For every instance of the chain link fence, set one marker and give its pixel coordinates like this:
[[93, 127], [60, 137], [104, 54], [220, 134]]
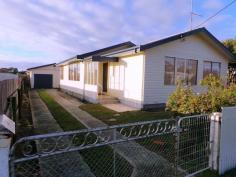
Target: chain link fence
[[154, 148]]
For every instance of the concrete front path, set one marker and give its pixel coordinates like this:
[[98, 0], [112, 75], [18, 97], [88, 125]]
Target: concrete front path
[[55, 165], [43, 120], [72, 106], [144, 162]]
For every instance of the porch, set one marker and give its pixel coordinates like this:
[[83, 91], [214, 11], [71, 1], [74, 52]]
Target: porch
[[112, 80]]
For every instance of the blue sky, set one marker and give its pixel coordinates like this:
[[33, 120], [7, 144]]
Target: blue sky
[[34, 32]]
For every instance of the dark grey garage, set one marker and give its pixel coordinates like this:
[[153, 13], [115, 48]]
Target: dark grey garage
[[43, 81]]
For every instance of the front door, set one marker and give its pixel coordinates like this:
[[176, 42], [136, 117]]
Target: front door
[[105, 72]]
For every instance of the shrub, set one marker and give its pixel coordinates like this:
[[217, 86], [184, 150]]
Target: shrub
[[231, 76], [182, 100], [229, 95], [215, 93], [185, 101]]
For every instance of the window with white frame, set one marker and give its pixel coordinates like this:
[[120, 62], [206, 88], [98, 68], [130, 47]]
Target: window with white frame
[[62, 72], [180, 69], [74, 71], [91, 72], [116, 76]]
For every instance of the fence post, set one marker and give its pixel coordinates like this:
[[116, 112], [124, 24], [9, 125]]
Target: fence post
[[215, 130], [114, 154], [7, 129], [177, 139], [19, 102], [13, 107], [4, 155]]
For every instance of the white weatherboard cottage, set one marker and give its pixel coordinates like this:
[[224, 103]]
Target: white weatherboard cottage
[[144, 76]]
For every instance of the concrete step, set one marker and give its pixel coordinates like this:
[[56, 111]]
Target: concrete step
[[105, 99]]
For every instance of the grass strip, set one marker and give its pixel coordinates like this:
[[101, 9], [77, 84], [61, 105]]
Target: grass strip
[[66, 121], [111, 117]]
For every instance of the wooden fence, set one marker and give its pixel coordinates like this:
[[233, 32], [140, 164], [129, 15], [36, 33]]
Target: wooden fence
[[7, 89]]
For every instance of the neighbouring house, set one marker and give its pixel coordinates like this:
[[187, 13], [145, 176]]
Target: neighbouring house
[[45, 76], [7, 76], [9, 70], [143, 76]]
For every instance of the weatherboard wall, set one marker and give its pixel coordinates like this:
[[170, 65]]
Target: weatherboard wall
[[192, 47], [125, 80]]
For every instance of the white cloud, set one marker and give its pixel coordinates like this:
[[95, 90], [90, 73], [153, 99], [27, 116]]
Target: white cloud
[[54, 30]]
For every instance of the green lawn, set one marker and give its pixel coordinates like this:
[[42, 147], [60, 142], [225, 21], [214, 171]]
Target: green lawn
[[111, 117], [66, 121]]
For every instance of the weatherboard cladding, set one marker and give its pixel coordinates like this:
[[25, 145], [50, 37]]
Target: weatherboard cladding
[[154, 89]]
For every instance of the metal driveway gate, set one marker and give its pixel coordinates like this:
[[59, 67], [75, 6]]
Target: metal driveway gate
[[166, 148]]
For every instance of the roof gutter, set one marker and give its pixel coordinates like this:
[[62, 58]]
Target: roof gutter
[[128, 51], [68, 61]]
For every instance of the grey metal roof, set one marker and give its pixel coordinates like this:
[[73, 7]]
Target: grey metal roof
[[185, 34], [99, 51], [41, 66]]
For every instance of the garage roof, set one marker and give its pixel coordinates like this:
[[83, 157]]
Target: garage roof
[[42, 66]]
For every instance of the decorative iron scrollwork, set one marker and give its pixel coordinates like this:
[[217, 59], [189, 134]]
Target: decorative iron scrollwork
[[59, 142]]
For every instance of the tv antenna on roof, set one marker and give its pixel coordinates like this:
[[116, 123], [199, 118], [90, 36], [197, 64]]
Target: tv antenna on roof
[[192, 13]]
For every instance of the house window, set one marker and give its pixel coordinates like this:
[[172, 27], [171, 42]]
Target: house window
[[211, 68], [91, 73], [180, 69], [62, 72], [71, 72], [74, 71], [169, 71], [191, 70]]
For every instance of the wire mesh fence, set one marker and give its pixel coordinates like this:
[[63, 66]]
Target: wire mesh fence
[[131, 150], [193, 144]]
